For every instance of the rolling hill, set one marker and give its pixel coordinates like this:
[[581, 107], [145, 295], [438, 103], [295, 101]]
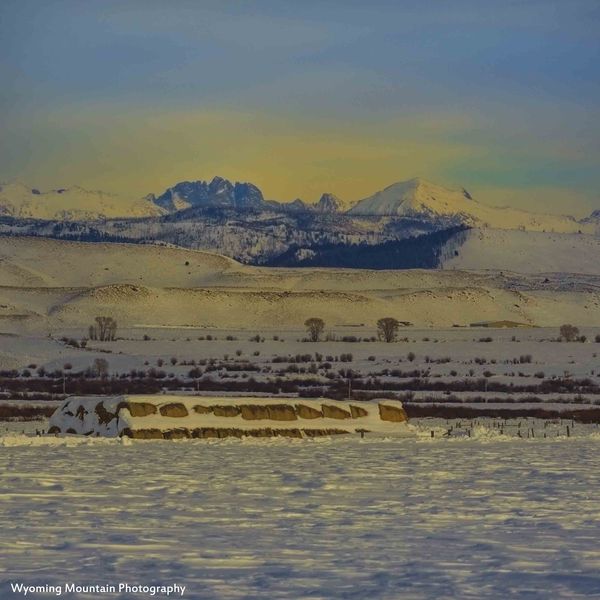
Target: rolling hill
[[50, 285]]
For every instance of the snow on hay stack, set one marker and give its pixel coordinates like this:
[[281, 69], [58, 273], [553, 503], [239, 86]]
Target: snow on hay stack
[[170, 417]]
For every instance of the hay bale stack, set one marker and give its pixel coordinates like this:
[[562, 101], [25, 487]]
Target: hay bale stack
[[226, 410], [143, 434], [175, 409], [358, 411], [322, 432], [137, 409], [281, 412], [307, 412], [204, 432], [177, 434], [335, 412], [394, 414], [254, 412], [181, 417]]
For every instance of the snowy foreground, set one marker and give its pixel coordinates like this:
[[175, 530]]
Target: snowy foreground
[[485, 516]]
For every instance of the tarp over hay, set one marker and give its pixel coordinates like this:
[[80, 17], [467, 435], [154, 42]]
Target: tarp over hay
[[170, 417]]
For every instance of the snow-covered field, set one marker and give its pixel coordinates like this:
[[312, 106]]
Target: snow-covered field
[[485, 516]]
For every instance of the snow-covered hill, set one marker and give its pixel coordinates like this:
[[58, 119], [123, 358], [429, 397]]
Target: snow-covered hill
[[523, 252], [418, 198], [50, 284], [70, 204]]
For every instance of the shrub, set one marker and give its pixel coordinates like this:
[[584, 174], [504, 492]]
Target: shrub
[[100, 367], [105, 329], [314, 327], [569, 332], [387, 329]]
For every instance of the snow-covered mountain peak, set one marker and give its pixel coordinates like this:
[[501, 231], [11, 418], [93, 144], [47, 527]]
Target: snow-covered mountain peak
[[330, 203], [70, 204], [415, 196], [423, 200], [218, 193]]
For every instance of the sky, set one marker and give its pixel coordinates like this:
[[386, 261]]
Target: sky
[[308, 97]]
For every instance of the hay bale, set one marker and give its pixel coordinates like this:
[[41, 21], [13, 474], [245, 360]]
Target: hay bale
[[104, 416], [54, 429], [308, 412], [143, 434], [229, 432], [392, 413], [266, 432], [226, 411], [291, 433], [204, 432], [335, 412], [322, 432], [282, 412], [175, 409], [253, 412], [138, 409], [358, 411], [177, 434], [203, 410]]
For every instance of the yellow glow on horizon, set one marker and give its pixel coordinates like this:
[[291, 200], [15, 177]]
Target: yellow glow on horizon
[[135, 151], [141, 152]]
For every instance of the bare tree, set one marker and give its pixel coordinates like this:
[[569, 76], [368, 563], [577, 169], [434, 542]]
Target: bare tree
[[314, 327], [387, 328], [569, 332], [104, 330], [100, 367]]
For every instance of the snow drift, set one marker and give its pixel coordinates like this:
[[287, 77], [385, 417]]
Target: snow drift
[[171, 417]]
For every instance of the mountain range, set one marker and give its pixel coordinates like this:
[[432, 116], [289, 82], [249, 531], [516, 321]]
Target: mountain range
[[415, 198], [234, 218]]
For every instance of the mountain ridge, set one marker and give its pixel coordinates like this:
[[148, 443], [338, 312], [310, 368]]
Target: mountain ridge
[[234, 218], [413, 198]]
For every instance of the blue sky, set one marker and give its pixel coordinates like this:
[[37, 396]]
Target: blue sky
[[306, 97]]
